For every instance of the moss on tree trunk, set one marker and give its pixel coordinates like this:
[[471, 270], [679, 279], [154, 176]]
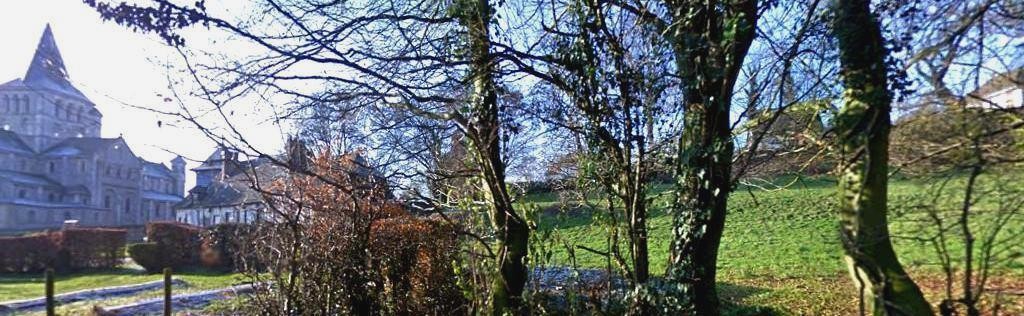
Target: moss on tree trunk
[[862, 126]]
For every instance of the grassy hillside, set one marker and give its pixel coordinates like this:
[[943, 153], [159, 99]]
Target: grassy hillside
[[780, 247]]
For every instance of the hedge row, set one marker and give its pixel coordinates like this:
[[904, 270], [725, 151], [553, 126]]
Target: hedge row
[[31, 253], [68, 249], [177, 245], [415, 258], [170, 245], [94, 248], [226, 247]]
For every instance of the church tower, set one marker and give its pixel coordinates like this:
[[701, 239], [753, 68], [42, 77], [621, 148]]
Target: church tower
[[178, 171], [44, 107]]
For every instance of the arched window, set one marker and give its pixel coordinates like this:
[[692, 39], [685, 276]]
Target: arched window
[[127, 205], [107, 202], [57, 109]]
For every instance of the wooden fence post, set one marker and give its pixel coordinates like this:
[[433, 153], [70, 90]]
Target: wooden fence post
[[50, 304], [167, 291]]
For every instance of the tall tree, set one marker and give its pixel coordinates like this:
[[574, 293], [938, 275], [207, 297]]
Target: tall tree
[[862, 127], [710, 40], [483, 131]]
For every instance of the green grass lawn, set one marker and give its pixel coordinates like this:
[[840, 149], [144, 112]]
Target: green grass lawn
[[780, 248], [25, 286]]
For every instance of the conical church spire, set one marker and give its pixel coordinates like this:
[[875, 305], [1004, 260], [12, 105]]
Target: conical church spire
[[47, 69]]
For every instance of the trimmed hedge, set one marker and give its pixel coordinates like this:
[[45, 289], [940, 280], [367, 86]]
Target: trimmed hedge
[[224, 247], [93, 248], [148, 256], [177, 246], [32, 253], [68, 249], [414, 257]]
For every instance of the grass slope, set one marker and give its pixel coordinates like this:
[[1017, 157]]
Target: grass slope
[[780, 248]]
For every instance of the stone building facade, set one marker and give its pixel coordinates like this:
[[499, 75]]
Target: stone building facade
[[55, 167]]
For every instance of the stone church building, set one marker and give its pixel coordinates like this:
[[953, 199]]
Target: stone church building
[[55, 167]]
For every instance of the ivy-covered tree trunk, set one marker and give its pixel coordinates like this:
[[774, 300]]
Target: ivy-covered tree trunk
[[483, 131], [862, 126], [710, 40]]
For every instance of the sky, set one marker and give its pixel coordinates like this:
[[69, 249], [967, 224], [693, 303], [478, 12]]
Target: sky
[[122, 73]]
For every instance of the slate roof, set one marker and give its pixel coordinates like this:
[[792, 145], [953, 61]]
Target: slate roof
[[12, 143], [27, 178], [47, 69], [213, 161], [80, 146], [236, 190], [159, 196], [155, 169]]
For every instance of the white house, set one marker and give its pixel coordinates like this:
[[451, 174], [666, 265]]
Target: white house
[[1003, 91]]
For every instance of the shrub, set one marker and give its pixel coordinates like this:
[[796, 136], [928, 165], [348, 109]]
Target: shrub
[[93, 248], [178, 243], [32, 253], [414, 259], [148, 256], [225, 246]]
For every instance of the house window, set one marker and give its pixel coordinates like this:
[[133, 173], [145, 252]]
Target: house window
[[22, 193], [52, 197], [127, 205], [53, 167], [67, 215], [106, 201]]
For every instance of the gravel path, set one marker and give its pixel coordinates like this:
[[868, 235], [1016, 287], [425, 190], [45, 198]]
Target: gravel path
[[178, 302]]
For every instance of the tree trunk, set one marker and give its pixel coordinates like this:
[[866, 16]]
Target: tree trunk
[[862, 126], [483, 131], [710, 41], [703, 185]]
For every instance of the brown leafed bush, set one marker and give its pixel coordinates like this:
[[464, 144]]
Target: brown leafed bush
[[33, 253], [93, 248], [414, 260], [178, 243], [340, 244]]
